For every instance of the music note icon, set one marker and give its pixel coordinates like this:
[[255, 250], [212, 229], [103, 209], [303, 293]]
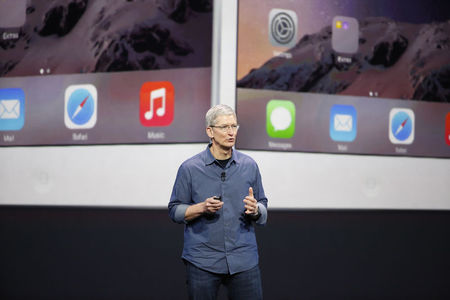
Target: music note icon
[[156, 103], [156, 94]]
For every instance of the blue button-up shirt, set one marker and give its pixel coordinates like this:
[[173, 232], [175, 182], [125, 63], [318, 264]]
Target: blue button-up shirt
[[223, 242]]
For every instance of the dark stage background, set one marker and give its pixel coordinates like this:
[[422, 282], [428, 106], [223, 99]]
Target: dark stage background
[[105, 253]]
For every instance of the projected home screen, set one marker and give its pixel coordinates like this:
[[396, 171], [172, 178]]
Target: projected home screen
[[104, 72], [355, 77]]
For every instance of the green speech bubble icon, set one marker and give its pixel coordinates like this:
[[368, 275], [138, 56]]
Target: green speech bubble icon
[[280, 119]]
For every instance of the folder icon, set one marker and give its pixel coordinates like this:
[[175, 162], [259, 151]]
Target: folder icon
[[10, 109], [343, 122], [12, 13]]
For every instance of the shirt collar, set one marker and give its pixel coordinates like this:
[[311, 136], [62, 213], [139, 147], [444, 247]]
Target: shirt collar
[[209, 158]]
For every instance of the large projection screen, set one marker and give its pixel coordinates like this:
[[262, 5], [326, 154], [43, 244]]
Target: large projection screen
[[314, 179], [145, 69]]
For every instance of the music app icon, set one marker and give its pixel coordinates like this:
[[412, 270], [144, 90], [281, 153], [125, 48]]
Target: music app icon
[[156, 103]]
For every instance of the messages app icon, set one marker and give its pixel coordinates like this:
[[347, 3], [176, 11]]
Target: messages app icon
[[280, 119], [343, 121]]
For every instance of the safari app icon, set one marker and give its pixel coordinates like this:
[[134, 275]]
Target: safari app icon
[[280, 119], [80, 106], [401, 126]]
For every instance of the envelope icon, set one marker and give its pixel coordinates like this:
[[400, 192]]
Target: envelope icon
[[343, 122], [10, 109]]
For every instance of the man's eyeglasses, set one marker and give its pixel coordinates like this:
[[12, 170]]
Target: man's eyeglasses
[[225, 128]]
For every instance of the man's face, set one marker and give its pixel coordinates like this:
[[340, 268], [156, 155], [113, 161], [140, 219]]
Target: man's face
[[222, 133]]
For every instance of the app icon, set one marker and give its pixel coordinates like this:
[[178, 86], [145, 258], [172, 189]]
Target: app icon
[[80, 106], [282, 27], [345, 35], [157, 103], [280, 119], [12, 13], [447, 129], [401, 126], [343, 123], [12, 109]]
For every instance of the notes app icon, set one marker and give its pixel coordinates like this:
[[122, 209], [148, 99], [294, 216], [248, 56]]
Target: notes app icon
[[156, 103]]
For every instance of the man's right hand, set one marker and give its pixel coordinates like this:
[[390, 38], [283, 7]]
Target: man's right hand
[[209, 206], [212, 205]]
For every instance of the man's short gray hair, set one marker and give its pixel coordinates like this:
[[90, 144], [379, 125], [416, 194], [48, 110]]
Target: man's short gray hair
[[218, 110]]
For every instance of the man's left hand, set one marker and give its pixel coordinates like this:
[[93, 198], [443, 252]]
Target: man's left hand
[[251, 205]]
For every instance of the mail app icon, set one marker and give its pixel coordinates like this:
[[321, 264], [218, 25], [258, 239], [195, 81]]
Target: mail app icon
[[12, 109], [343, 121]]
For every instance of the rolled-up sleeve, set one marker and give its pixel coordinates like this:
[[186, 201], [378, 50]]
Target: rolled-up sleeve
[[181, 195], [262, 200], [262, 220]]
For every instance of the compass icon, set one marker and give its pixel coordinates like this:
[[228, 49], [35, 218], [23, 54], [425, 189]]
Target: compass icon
[[401, 126], [80, 110]]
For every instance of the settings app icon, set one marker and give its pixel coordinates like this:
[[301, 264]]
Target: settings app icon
[[282, 27]]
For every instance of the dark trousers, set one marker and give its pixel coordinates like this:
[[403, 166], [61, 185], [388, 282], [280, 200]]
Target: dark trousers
[[204, 285]]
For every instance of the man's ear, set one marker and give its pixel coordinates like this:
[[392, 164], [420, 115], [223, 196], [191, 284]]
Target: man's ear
[[209, 132]]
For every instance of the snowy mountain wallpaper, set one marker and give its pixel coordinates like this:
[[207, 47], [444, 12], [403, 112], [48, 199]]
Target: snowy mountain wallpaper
[[82, 36], [403, 53]]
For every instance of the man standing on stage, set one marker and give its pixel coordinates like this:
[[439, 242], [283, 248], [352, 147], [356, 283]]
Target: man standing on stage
[[218, 195]]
